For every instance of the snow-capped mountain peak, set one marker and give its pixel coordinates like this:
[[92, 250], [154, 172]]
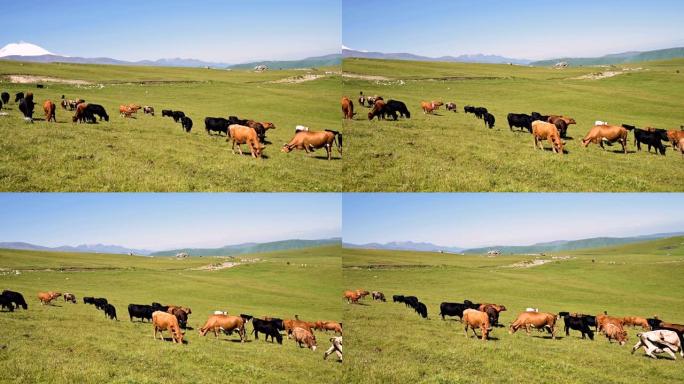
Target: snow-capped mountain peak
[[23, 49]]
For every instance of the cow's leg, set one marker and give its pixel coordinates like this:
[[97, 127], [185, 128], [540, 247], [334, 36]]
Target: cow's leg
[[669, 352], [465, 331], [328, 150]]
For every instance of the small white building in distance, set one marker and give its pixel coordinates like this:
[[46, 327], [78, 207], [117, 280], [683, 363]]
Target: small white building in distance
[[493, 252], [181, 255], [561, 65], [260, 68]]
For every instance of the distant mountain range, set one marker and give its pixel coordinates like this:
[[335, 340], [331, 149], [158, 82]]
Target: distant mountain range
[[552, 246], [32, 53], [246, 248], [479, 58], [617, 58], [223, 251]]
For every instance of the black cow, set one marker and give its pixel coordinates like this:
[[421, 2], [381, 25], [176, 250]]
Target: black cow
[[579, 323], [537, 116], [110, 311], [96, 109], [652, 139], [421, 309], [411, 301], [480, 112], [88, 300], [216, 124], [18, 97], [5, 302], [452, 309], [562, 127], [16, 298], [392, 107], [159, 307], [246, 317], [182, 317], [100, 303], [5, 97], [520, 120], [268, 328], [186, 123], [489, 120], [140, 311], [469, 109], [398, 298], [471, 305], [26, 106], [177, 115], [237, 120], [167, 112]]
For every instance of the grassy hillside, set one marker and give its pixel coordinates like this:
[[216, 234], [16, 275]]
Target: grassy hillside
[[394, 344], [76, 344], [251, 248], [630, 57], [153, 153], [455, 152]]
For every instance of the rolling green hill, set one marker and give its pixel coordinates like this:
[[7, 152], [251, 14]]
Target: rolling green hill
[[247, 248], [620, 58], [311, 62]]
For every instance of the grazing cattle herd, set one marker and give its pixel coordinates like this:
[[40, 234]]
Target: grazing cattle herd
[[174, 320], [239, 131], [658, 336], [553, 128]]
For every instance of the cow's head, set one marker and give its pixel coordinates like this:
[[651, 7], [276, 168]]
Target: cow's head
[[285, 148]]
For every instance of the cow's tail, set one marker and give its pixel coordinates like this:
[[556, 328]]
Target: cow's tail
[[337, 139]]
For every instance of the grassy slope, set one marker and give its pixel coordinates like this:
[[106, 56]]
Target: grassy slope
[[455, 152], [65, 336], [394, 345], [152, 153]]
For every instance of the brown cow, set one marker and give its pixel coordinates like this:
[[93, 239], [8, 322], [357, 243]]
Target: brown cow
[[546, 131], [312, 140], [603, 319], [328, 326], [290, 324], [568, 120], [430, 106], [352, 297], [47, 297], [162, 321], [225, 323], [497, 307], [610, 133], [347, 108], [80, 113], [241, 134], [49, 108], [636, 321], [267, 125], [184, 309], [680, 145], [304, 336], [476, 319], [378, 110], [539, 320], [615, 332]]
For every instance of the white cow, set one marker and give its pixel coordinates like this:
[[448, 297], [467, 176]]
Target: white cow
[[599, 122], [220, 313], [301, 128], [658, 342], [532, 310]]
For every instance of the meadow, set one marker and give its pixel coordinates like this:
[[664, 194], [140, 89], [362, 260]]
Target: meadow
[[451, 151], [75, 343], [153, 153], [393, 344]]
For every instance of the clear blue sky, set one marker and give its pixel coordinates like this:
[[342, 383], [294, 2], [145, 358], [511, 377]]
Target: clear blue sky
[[230, 31], [532, 29], [482, 219], [159, 221]]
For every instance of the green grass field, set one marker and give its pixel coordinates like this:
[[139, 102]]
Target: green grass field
[[455, 152], [393, 344], [153, 153], [68, 343]]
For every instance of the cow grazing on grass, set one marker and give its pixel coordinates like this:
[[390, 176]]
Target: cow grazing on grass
[[674, 137], [378, 296], [609, 133], [88, 300], [186, 123], [451, 107], [163, 321], [96, 109], [5, 97], [561, 122], [636, 321], [421, 309], [167, 113], [18, 97], [578, 323], [469, 109], [110, 311], [148, 110], [268, 328], [378, 110], [489, 120], [216, 124], [181, 315], [69, 297], [16, 298], [290, 324], [50, 108], [312, 140], [258, 128], [226, 324], [347, 108], [26, 106], [241, 134], [177, 115], [651, 139], [81, 116], [615, 332], [493, 311], [519, 120], [398, 298], [393, 108], [546, 131], [100, 303], [480, 112], [328, 326], [141, 311], [5, 302], [472, 319], [452, 309], [304, 337], [537, 116], [430, 107], [47, 297], [603, 319], [538, 320], [335, 347], [658, 342]]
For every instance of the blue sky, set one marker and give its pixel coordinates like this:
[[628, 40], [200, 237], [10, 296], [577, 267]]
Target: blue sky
[[532, 29], [159, 221], [216, 30], [481, 219]]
